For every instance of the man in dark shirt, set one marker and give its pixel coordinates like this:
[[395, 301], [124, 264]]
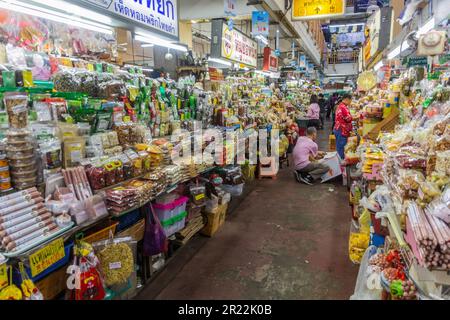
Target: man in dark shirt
[[323, 109]]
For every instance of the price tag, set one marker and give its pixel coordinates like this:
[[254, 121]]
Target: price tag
[[44, 258], [3, 275], [115, 265], [199, 196]]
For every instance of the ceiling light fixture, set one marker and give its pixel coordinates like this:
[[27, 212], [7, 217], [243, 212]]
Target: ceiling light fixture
[[378, 66], [150, 40], [53, 16], [221, 61], [75, 10]]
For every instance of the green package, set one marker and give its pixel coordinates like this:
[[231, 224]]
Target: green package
[[103, 121], [9, 79]]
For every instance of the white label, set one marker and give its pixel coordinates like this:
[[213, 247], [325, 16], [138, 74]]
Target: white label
[[19, 108], [75, 155], [115, 265]]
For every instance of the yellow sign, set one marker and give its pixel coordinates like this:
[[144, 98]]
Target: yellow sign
[[317, 9], [45, 257], [3, 275]]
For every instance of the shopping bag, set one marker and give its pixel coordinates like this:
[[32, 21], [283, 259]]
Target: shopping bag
[[155, 240]]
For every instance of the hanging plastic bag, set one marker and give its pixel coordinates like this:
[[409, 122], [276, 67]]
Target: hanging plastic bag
[[84, 279], [11, 292], [155, 240], [29, 289]]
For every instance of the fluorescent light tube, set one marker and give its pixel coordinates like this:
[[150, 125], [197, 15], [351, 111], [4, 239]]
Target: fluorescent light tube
[[221, 61], [378, 66], [149, 41], [426, 27], [75, 10], [53, 16]]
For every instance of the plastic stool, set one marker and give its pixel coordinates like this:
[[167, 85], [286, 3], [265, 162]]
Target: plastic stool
[[268, 167]]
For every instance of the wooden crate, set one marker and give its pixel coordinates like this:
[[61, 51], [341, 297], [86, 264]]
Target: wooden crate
[[54, 284], [215, 220], [332, 143], [136, 231]]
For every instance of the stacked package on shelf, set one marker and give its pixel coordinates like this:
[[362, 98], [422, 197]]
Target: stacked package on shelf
[[166, 148], [121, 199], [158, 180], [373, 161], [21, 156], [24, 220], [173, 174]]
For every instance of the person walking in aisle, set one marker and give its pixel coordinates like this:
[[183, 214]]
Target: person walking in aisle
[[331, 103], [343, 124], [313, 113], [323, 109], [305, 155]]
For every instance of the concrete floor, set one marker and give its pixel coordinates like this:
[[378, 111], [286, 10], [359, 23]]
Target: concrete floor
[[285, 240]]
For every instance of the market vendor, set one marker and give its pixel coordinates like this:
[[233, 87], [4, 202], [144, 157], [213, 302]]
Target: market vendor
[[313, 113], [343, 124], [305, 154]]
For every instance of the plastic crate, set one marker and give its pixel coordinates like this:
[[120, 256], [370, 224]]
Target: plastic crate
[[172, 209], [174, 224], [101, 234]]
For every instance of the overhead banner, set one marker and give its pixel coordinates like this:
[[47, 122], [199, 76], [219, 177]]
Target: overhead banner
[[260, 23], [302, 62], [233, 45], [229, 8], [159, 15], [369, 5], [270, 62], [317, 9]]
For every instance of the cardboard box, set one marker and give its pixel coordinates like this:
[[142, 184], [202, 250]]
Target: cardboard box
[[331, 159], [54, 284], [215, 220]]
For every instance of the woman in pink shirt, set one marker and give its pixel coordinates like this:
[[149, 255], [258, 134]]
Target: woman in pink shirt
[[314, 112]]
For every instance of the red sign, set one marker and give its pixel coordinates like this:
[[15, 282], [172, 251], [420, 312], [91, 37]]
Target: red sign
[[270, 60]]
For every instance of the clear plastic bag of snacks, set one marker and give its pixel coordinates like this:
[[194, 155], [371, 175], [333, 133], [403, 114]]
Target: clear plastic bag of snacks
[[16, 104], [65, 80]]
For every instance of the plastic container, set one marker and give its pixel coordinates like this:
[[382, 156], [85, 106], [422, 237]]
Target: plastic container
[[174, 224], [5, 184], [170, 210], [235, 191], [4, 172]]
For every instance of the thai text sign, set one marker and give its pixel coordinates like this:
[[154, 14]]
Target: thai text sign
[[238, 47], [317, 9], [161, 15], [47, 256], [270, 60]]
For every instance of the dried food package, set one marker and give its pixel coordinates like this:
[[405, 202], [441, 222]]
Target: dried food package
[[51, 154], [74, 151], [65, 80], [113, 89], [58, 107], [42, 110], [103, 121], [96, 176], [88, 82], [117, 260], [16, 105], [110, 174], [113, 138]]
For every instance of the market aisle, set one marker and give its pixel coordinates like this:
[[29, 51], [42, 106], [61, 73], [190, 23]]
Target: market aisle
[[285, 241]]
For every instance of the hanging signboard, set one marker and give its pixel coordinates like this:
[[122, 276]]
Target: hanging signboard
[[229, 8], [317, 9], [367, 5], [260, 23], [232, 45], [302, 63], [417, 61], [270, 60], [159, 15]]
